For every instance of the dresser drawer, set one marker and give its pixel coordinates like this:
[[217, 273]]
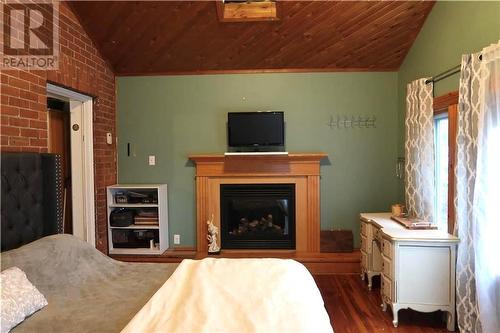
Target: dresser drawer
[[387, 248], [387, 267], [386, 289], [378, 235], [364, 228], [364, 244], [364, 261]]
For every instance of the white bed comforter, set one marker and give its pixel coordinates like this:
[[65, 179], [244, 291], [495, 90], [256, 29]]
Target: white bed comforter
[[235, 295]]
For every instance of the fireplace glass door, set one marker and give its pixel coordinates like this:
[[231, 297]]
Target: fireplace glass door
[[258, 216]]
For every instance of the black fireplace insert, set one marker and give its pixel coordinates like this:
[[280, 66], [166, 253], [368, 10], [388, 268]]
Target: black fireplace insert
[[258, 216]]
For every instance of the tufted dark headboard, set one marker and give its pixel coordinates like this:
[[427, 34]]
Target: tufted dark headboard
[[31, 197]]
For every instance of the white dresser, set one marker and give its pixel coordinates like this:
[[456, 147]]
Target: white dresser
[[417, 267], [371, 254]]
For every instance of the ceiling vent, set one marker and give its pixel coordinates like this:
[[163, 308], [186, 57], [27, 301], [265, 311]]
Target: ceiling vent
[[247, 11]]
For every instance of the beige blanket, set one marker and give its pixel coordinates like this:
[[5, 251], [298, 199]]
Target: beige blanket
[[235, 295]]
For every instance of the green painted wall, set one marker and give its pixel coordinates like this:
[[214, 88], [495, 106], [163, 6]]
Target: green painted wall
[[174, 116], [452, 28]]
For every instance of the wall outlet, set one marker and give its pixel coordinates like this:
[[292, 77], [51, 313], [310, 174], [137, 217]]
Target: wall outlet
[[152, 160], [177, 239]]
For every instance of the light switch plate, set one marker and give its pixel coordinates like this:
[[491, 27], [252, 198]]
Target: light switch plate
[[177, 239], [152, 160], [109, 138]]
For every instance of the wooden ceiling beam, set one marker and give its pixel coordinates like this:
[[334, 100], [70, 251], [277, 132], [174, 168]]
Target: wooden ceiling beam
[[262, 71]]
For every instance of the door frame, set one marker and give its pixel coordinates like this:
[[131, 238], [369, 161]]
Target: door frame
[[87, 158]]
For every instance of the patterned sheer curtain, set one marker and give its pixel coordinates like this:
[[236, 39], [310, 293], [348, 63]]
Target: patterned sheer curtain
[[486, 218], [465, 174], [419, 150], [477, 192]]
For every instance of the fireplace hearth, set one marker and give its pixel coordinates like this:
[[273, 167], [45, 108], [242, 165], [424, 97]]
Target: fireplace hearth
[[257, 216]]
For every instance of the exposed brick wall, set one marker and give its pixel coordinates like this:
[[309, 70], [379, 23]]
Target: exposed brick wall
[[24, 98]]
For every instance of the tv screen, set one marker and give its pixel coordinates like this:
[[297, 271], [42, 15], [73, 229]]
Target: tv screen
[[255, 129]]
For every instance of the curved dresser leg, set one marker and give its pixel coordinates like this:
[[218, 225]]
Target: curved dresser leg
[[450, 321], [384, 306], [362, 276], [395, 310], [370, 282]]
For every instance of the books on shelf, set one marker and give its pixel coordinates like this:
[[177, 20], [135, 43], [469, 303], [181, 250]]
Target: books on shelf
[[146, 217], [141, 220]]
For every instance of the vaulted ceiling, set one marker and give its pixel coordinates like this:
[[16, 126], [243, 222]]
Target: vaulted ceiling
[[188, 36]]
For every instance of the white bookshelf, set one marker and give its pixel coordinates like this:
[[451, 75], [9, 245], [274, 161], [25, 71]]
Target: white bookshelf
[[161, 229]]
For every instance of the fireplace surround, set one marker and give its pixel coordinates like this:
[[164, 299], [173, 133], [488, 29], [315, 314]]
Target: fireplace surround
[[300, 169]]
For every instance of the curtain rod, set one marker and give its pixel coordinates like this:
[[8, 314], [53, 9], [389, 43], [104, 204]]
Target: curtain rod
[[447, 73], [444, 75]]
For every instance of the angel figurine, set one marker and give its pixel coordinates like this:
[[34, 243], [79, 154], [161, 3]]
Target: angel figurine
[[213, 231]]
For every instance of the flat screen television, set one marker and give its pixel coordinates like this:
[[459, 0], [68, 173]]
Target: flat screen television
[[260, 130]]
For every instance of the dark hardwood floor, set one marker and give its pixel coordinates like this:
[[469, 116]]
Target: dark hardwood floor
[[354, 309]]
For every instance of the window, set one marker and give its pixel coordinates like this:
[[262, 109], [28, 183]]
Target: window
[[441, 169], [445, 124]]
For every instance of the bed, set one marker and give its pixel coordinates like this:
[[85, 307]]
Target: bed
[[31, 197], [235, 295], [87, 291]]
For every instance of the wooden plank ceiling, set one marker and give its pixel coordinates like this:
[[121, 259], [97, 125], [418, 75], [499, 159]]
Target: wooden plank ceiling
[[187, 36]]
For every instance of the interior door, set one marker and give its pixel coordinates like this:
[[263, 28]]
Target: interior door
[[77, 138], [59, 143], [79, 107]]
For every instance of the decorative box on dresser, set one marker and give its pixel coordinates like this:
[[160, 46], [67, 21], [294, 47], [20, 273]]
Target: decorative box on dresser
[[417, 266]]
